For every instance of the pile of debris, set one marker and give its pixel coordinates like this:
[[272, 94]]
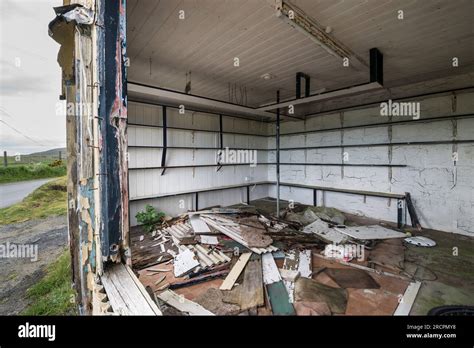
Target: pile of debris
[[226, 261]]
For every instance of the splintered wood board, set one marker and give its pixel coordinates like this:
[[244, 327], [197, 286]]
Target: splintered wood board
[[199, 226], [184, 262], [210, 240], [326, 233], [182, 304], [124, 293], [370, 232], [235, 272], [251, 291], [270, 270], [304, 263], [408, 299], [279, 300]]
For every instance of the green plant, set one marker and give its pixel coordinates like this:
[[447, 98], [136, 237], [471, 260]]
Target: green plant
[[150, 217]]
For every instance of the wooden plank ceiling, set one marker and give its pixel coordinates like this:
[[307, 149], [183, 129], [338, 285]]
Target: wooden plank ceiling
[[163, 48]]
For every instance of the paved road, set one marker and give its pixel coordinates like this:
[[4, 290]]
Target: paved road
[[14, 192]]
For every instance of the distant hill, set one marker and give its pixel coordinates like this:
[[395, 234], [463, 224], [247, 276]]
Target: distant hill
[[52, 153], [48, 156]]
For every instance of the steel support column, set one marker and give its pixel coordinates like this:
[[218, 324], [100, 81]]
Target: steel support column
[[278, 154]]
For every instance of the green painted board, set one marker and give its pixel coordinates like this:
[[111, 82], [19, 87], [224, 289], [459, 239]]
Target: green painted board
[[279, 299]]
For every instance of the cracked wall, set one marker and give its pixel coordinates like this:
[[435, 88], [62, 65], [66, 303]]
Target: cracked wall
[[441, 189]]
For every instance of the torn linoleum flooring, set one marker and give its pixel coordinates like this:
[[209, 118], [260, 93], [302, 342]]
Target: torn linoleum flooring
[[232, 261]]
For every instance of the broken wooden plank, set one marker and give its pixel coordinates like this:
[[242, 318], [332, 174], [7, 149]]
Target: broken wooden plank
[[370, 232], [406, 302], [199, 226], [126, 294], [182, 304], [324, 232], [199, 279], [144, 292], [277, 292], [298, 262], [235, 235], [304, 263], [251, 292], [270, 269], [160, 280], [211, 240], [290, 275], [212, 300], [235, 272], [278, 297], [184, 262], [362, 267]]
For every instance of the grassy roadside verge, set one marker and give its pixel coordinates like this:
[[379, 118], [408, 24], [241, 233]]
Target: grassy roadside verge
[[30, 172], [49, 199], [53, 295]]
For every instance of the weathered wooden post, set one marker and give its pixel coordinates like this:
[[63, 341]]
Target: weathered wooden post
[[92, 58], [5, 159]]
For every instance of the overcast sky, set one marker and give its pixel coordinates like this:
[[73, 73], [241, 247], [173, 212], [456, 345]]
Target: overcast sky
[[30, 78]]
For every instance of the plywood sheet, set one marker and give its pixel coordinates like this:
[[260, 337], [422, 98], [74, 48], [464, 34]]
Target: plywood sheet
[[352, 278], [182, 304], [310, 290], [199, 226], [279, 301], [330, 235], [184, 262], [251, 292], [370, 232]]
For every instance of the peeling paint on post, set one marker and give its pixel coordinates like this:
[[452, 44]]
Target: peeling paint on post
[[113, 129], [92, 57]]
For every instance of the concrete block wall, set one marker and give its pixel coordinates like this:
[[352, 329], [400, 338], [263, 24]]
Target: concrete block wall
[[144, 183], [442, 191]]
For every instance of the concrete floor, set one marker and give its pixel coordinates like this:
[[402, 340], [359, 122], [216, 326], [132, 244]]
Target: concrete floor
[[446, 270]]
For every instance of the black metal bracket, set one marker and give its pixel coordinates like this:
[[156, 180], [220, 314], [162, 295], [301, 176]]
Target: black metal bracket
[[221, 140], [165, 141], [376, 66], [307, 84]]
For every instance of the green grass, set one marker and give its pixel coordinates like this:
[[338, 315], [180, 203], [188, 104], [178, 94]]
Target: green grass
[[53, 295], [30, 172], [47, 200]]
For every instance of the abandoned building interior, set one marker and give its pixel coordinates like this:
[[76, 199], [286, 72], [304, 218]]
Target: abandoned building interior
[[309, 158]]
